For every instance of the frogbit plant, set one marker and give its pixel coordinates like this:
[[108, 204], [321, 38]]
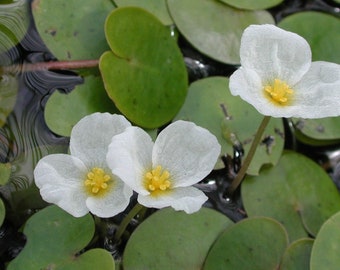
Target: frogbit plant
[[277, 77], [82, 182], [162, 173]]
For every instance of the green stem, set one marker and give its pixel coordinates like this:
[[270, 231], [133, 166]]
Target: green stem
[[125, 222], [239, 177]]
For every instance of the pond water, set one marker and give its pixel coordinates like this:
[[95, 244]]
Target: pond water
[[25, 138]]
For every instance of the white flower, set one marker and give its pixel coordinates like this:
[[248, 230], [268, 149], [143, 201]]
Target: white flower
[[82, 182], [278, 78], [162, 173]]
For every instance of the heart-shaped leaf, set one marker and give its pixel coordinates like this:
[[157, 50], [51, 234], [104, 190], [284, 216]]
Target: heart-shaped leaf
[[254, 243], [54, 240], [207, 103], [172, 239], [214, 28], [144, 74], [296, 192], [63, 111], [72, 31], [2, 212]]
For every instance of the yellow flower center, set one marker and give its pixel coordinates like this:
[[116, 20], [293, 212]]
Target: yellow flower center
[[97, 181], [157, 180], [279, 92]]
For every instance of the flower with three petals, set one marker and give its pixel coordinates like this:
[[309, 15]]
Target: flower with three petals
[[82, 182], [278, 77], [163, 172]]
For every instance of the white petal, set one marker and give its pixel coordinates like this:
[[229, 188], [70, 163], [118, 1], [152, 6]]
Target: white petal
[[247, 84], [318, 93], [187, 151], [274, 53], [60, 180], [188, 199], [91, 136], [129, 157], [111, 204]]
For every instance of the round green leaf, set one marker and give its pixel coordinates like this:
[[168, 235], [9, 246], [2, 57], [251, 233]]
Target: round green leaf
[[145, 74], [254, 243], [156, 7], [325, 252], [297, 255], [296, 192], [172, 239], [320, 30], [8, 96], [72, 31], [2, 212], [63, 111], [54, 239], [251, 4], [317, 131], [218, 38], [5, 173], [14, 21], [207, 103]]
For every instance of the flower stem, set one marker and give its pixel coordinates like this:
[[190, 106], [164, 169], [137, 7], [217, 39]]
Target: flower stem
[[125, 222], [239, 177]]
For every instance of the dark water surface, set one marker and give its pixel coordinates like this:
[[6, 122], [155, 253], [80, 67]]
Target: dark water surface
[[25, 138]]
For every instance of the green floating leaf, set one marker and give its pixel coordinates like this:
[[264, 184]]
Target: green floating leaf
[[325, 252], [171, 239], [251, 4], [2, 212], [321, 30], [254, 243], [14, 21], [8, 96], [218, 38], [156, 7], [317, 131], [145, 74], [62, 111], [54, 239], [205, 104], [296, 192], [5, 173], [297, 255], [72, 31]]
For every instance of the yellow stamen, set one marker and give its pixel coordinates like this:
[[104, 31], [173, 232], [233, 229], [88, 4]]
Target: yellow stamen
[[157, 180], [279, 92], [97, 181]]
